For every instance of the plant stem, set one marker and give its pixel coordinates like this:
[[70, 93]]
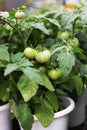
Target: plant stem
[[8, 24], [57, 49], [20, 34]]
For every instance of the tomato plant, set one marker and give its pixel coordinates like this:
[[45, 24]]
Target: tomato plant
[[42, 55]]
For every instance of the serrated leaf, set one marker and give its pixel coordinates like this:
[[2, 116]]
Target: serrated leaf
[[38, 77], [60, 92], [27, 87], [4, 93], [23, 62], [2, 64], [69, 16], [66, 62], [78, 50], [10, 68], [20, 60], [58, 13], [67, 87], [53, 100], [40, 26], [78, 84], [53, 21], [13, 107], [16, 57], [44, 112], [4, 54], [23, 114], [46, 82]]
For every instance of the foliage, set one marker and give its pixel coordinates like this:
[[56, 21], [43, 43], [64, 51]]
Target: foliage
[[29, 89]]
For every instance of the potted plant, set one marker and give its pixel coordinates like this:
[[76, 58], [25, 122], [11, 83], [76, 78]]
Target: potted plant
[[40, 57]]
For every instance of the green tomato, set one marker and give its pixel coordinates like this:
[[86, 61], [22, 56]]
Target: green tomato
[[30, 53], [75, 42], [42, 69], [9, 28], [19, 14], [63, 35], [43, 57], [54, 74]]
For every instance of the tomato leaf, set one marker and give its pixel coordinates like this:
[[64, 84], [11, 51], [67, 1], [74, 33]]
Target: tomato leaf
[[10, 68], [16, 57], [2, 64], [53, 21], [44, 113], [4, 90], [4, 54], [51, 97], [23, 114], [27, 87], [66, 62], [60, 92], [79, 84], [68, 17], [21, 62], [40, 26], [38, 77]]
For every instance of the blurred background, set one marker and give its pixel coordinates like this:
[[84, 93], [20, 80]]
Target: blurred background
[[8, 5]]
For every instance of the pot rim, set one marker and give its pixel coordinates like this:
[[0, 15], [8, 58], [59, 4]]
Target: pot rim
[[68, 108], [4, 107]]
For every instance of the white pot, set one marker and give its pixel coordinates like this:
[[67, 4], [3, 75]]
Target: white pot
[[60, 118], [5, 122]]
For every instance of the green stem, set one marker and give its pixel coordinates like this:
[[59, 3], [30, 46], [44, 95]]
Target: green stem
[[20, 34], [13, 83], [27, 38], [58, 49], [74, 26], [13, 87], [9, 24]]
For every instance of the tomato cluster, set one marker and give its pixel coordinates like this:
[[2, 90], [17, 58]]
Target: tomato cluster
[[42, 57]]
